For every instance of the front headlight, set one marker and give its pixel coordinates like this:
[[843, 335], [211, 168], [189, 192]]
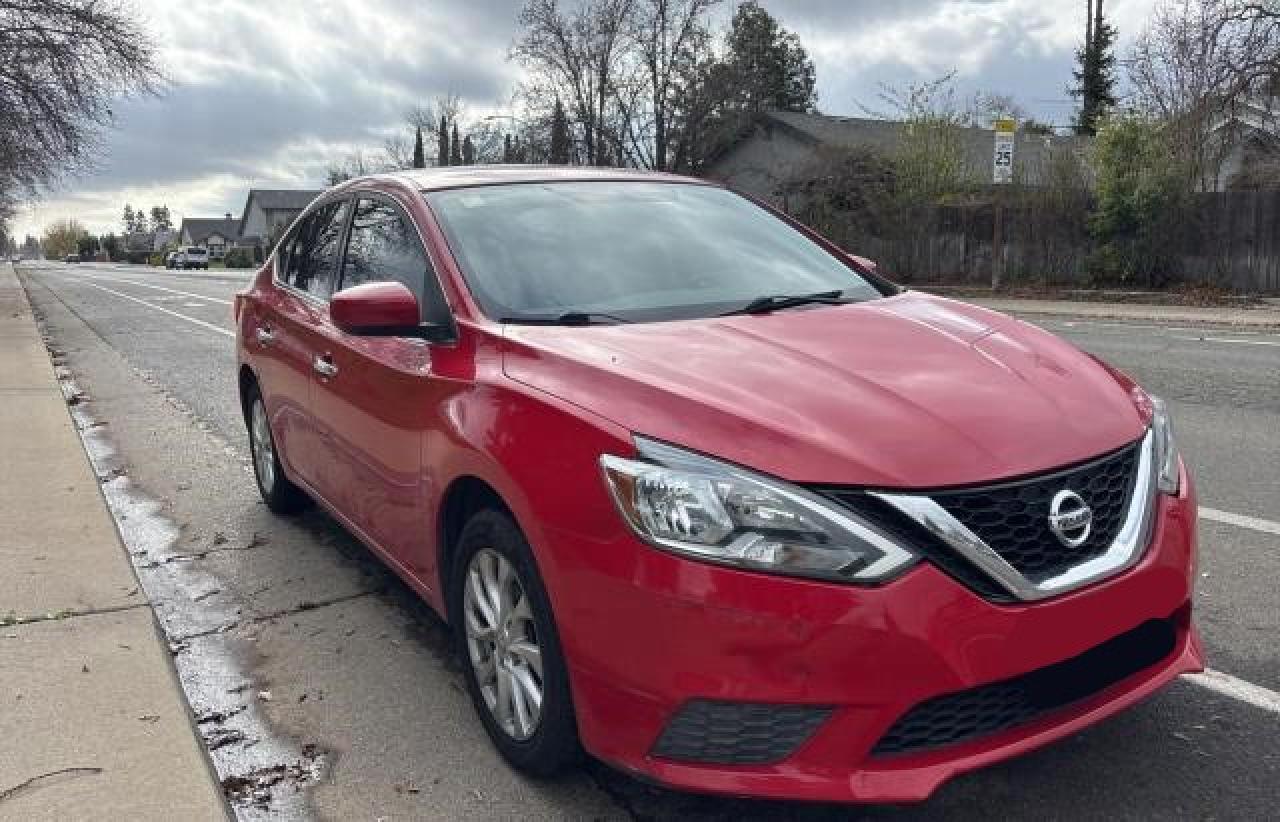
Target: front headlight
[[716, 511], [1166, 449]]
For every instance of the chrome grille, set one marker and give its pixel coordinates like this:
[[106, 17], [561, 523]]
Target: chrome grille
[[1013, 519]]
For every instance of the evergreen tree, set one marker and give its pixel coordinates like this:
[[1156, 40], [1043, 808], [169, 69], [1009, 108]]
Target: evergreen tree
[[127, 219], [455, 147], [767, 63], [442, 139], [419, 157], [507, 155], [560, 146], [1095, 78], [160, 218], [468, 151]]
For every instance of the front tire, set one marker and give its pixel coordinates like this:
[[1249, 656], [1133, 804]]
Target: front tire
[[509, 647], [278, 492]]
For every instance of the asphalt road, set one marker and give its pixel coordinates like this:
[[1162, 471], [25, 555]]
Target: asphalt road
[[361, 687]]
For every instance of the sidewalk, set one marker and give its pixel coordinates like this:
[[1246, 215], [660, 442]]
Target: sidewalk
[[93, 722], [1261, 318]]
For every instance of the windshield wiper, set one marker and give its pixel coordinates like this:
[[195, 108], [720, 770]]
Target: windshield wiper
[[777, 302], [571, 318]]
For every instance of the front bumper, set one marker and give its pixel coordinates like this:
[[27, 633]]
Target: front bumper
[[646, 632]]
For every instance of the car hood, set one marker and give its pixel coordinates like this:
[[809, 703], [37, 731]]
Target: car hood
[[910, 391]]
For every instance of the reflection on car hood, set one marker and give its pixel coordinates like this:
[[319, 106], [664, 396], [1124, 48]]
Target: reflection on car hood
[[906, 392]]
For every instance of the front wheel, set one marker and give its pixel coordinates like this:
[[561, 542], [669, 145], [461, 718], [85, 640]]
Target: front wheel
[[278, 492], [512, 661]]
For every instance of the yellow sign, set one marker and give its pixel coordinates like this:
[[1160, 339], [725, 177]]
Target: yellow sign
[[1006, 125]]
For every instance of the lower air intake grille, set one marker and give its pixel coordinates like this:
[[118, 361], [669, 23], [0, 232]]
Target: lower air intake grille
[[737, 733], [989, 709]]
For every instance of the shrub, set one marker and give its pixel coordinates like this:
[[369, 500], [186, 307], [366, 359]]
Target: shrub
[[1142, 202], [238, 258], [156, 258]]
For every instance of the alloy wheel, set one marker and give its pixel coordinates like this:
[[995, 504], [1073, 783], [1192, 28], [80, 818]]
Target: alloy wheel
[[264, 454], [502, 643]]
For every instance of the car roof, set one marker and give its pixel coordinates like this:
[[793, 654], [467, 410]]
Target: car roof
[[434, 179]]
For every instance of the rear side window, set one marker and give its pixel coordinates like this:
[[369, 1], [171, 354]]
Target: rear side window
[[384, 246], [311, 264]]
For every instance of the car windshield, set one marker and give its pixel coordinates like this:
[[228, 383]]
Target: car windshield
[[630, 251]]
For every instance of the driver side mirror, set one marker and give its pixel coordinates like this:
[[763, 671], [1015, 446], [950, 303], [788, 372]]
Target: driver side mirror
[[864, 263], [386, 309]]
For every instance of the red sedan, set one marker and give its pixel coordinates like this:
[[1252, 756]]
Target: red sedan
[[702, 494]]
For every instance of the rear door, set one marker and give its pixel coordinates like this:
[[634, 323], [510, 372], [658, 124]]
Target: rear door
[[287, 331], [374, 409]]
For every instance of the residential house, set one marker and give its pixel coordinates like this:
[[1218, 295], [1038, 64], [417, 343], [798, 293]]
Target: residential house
[[1246, 146], [268, 212], [214, 233], [783, 144]]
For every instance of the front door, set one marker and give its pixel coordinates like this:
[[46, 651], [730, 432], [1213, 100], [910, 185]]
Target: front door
[[374, 408]]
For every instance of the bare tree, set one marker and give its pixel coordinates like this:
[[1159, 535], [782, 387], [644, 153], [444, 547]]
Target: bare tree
[[1198, 66], [63, 63], [670, 35], [397, 151], [579, 55]]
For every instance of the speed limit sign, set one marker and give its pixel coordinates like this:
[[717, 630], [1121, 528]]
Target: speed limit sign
[[1003, 168]]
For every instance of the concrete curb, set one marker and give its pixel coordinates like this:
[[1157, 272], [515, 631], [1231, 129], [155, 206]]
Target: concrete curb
[[95, 721]]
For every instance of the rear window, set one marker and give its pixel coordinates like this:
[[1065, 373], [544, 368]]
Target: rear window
[[196, 251]]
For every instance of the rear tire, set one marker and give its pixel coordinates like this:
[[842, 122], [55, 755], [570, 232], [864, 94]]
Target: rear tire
[[509, 648], [278, 492]]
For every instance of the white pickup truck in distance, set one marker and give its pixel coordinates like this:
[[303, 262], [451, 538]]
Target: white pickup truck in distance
[[192, 257]]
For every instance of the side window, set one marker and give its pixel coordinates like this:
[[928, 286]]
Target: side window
[[384, 246], [310, 263]]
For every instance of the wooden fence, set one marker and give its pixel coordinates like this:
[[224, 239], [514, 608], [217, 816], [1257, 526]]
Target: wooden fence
[[1229, 240]]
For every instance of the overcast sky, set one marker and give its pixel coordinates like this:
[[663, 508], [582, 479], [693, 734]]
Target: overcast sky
[[266, 94]]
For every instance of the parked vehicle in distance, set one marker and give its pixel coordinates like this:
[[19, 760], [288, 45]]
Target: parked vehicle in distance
[[171, 259], [192, 256], [16, 258], [71, 258], [701, 492]]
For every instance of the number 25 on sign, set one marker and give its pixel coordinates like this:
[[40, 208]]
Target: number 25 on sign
[[1003, 168]]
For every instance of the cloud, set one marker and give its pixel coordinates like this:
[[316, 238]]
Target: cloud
[[268, 93]]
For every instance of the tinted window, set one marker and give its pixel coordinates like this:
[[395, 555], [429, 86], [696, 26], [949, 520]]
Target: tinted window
[[384, 246], [312, 259], [633, 249]]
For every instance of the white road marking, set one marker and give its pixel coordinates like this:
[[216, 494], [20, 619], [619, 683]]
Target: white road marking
[[1241, 521], [1229, 340], [163, 310], [159, 288], [1179, 329], [1228, 685]]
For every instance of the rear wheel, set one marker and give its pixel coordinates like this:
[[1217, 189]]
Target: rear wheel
[[280, 495], [511, 654]]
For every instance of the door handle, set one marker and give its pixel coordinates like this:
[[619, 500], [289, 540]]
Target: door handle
[[265, 336], [324, 366]]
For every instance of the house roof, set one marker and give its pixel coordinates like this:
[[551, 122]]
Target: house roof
[[200, 229], [276, 199], [1031, 150]]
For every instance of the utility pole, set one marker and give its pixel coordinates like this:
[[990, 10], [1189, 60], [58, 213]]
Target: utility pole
[[1088, 24]]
